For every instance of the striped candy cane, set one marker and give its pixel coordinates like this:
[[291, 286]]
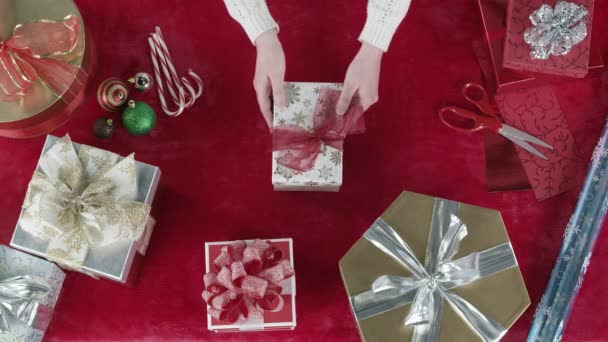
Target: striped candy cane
[[181, 90]]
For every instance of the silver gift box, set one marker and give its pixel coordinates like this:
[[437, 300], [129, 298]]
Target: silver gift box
[[14, 263], [115, 261]]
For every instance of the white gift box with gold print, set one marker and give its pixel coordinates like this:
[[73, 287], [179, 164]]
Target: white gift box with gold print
[[327, 172], [102, 227]]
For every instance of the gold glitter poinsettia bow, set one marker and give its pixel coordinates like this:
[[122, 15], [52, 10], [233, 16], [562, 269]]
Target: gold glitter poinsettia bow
[[78, 200]]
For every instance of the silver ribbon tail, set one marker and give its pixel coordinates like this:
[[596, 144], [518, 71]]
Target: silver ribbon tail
[[19, 300], [430, 284]]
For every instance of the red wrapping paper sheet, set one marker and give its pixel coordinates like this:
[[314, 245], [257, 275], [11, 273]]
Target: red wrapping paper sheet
[[502, 169], [517, 51], [493, 14], [537, 112]]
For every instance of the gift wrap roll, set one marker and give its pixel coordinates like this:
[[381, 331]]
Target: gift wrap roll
[[574, 258], [499, 294], [40, 110]]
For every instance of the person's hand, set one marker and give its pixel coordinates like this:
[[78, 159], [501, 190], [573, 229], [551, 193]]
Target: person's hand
[[269, 73], [362, 79]]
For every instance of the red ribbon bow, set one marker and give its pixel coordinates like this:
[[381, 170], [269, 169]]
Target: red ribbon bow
[[246, 280], [299, 148], [25, 57]]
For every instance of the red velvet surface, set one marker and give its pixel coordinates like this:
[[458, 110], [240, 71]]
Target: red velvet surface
[[216, 165]]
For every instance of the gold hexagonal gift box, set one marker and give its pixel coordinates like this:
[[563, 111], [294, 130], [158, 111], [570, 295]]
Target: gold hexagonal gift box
[[500, 295]]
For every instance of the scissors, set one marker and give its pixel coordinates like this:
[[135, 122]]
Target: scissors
[[488, 120]]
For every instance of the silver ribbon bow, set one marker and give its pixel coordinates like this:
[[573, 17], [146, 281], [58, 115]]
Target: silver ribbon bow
[[556, 31], [19, 300], [431, 283]]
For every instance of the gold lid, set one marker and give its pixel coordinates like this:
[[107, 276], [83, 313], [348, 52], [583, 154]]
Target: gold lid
[[502, 296], [14, 12]]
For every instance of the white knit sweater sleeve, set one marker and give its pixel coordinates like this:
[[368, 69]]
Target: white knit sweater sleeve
[[253, 15], [383, 18]]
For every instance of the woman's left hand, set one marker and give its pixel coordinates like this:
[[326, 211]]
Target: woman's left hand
[[362, 79]]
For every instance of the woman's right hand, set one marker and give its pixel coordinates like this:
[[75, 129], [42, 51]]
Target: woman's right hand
[[269, 74]]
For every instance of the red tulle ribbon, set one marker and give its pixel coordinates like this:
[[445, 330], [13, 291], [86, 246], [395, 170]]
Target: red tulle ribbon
[[245, 281], [299, 148], [26, 57]]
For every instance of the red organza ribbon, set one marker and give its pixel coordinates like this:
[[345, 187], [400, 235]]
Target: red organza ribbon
[[299, 148], [25, 58], [245, 281]]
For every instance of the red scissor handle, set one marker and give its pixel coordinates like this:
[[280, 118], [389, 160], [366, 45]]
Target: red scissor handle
[[478, 95], [479, 122]]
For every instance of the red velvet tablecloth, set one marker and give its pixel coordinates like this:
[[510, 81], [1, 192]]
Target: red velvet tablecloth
[[216, 165]]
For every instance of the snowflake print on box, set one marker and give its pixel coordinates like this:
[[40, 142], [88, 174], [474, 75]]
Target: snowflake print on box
[[537, 111], [575, 255], [292, 93], [310, 105]]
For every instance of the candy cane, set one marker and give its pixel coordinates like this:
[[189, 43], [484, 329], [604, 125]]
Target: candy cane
[[181, 90], [170, 74]]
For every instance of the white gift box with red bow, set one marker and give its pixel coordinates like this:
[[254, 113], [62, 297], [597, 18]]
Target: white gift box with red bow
[[277, 317]]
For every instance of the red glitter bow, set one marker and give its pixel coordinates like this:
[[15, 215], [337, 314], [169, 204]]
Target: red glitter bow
[[299, 148], [24, 58], [245, 281]]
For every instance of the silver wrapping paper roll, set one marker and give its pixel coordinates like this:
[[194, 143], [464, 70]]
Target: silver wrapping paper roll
[[580, 237]]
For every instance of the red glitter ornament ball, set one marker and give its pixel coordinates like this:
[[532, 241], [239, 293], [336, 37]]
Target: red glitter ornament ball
[[112, 94]]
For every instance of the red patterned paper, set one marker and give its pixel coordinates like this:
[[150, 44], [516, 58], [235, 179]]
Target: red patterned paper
[[504, 171], [517, 51], [284, 319], [537, 112]]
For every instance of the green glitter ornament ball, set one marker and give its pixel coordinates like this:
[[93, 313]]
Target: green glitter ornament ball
[[138, 118]]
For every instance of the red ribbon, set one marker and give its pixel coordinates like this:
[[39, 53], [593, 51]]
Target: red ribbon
[[245, 281], [299, 148], [26, 57]]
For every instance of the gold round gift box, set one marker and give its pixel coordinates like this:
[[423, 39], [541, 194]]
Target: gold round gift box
[[41, 111]]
